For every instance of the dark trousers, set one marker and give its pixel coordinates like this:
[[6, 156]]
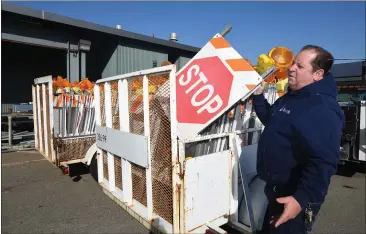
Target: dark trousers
[[293, 226], [275, 209]]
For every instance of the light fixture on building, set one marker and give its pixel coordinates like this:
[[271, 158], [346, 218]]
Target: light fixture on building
[[173, 37], [84, 45]]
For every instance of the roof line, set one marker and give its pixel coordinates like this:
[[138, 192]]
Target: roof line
[[12, 8]]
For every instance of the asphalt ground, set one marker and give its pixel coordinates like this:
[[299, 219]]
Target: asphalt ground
[[343, 212], [38, 198]]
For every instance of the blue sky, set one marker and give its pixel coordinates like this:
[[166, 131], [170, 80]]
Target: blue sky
[[257, 26]]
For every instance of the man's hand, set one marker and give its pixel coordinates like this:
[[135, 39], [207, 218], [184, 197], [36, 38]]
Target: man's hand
[[260, 90], [292, 209]]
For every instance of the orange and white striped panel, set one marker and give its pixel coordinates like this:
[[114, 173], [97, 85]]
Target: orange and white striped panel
[[245, 76], [244, 79], [68, 100], [58, 100]]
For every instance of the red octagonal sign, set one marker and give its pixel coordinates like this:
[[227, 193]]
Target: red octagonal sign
[[203, 90]]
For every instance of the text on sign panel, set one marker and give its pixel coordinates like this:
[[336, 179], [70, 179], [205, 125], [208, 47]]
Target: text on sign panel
[[203, 90]]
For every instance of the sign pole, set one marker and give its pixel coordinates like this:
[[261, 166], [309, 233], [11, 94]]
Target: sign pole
[[226, 30]]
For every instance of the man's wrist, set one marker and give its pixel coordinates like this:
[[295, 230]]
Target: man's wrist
[[301, 197]]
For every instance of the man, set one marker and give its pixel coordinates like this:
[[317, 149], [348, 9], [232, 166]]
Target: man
[[298, 150]]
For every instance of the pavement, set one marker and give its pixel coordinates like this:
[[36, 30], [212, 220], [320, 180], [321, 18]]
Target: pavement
[[38, 198], [344, 208]]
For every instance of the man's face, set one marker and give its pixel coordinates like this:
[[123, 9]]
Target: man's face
[[301, 73]]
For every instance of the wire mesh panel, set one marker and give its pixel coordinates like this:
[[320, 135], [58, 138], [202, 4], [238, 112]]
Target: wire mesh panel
[[160, 135], [140, 108], [105, 164], [103, 124], [68, 149], [116, 125], [139, 184], [115, 107], [118, 171], [136, 113], [136, 107], [102, 105]]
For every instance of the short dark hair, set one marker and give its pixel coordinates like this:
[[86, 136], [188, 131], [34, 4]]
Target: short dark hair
[[324, 59]]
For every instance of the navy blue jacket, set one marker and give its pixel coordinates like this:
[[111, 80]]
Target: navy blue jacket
[[299, 147]]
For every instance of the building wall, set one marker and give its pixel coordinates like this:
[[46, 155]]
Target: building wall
[[45, 53], [110, 68], [35, 32], [133, 59], [21, 64], [133, 56], [182, 61]]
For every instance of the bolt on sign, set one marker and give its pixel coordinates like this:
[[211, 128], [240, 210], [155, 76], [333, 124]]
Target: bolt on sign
[[209, 84]]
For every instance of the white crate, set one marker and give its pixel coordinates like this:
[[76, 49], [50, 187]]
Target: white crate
[[157, 184], [43, 117], [55, 138]]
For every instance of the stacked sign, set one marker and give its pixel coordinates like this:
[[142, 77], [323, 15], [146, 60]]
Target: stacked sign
[[73, 106], [214, 80]]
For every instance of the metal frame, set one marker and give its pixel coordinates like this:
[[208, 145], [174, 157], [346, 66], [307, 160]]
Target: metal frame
[[44, 143], [181, 146], [125, 196], [40, 143], [234, 147]]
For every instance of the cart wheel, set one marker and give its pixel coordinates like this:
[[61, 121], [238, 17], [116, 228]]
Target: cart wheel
[[93, 168]]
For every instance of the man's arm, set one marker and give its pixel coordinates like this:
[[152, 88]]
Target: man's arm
[[319, 132], [261, 106]]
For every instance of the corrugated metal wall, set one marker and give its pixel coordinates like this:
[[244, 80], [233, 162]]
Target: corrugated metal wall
[[127, 59], [111, 68], [135, 59], [181, 61]]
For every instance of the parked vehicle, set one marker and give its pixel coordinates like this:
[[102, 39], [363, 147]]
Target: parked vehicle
[[352, 98]]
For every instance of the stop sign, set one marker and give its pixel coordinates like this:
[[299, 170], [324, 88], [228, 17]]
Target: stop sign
[[203, 90]]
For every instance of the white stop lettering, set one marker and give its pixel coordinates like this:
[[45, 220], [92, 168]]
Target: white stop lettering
[[209, 103]]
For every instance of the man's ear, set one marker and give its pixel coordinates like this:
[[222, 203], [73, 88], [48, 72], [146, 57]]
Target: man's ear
[[318, 75]]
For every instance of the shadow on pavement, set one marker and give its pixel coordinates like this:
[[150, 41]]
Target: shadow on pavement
[[351, 168], [77, 170]]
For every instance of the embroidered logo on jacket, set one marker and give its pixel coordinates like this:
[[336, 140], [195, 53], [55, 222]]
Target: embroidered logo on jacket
[[283, 109]]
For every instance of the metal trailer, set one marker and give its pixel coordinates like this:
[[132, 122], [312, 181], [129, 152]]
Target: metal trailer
[[351, 82], [353, 145], [145, 167], [56, 137]]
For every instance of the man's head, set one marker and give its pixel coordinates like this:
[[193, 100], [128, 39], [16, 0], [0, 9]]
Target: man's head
[[310, 65]]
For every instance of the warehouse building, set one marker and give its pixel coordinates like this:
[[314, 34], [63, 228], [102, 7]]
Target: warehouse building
[[345, 73], [37, 43], [351, 80]]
